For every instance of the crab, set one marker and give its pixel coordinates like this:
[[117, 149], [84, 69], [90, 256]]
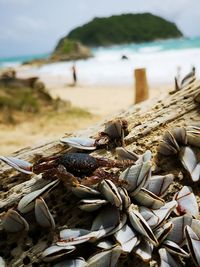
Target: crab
[[76, 168], [71, 168]]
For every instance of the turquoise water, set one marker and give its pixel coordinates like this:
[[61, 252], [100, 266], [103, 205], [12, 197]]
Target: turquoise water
[[160, 58], [9, 61], [160, 45]]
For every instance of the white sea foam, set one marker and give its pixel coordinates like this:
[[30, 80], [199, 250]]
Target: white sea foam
[[161, 60], [150, 49], [108, 68]]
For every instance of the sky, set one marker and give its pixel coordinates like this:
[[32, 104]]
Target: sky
[[34, 26]]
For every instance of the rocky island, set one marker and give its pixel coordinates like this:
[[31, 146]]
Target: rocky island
[[118, 29], [67, 49]]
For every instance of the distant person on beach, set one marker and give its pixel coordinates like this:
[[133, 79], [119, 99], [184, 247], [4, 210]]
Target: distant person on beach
[[74, 75]]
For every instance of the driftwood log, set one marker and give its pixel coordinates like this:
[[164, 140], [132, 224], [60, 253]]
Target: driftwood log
[[147, 123]]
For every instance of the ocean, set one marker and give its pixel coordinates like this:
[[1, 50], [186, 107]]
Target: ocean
[[161, 59]]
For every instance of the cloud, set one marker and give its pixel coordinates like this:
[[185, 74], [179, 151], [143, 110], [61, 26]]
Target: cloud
[[7, 34], [40, 23], [23, 28], [28, 24]]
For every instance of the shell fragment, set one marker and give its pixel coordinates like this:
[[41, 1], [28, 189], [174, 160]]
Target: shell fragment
[[26, 204], [18, 164], [79, 142]]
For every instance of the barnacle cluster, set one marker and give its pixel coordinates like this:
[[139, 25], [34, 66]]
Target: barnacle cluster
[[128, 209]]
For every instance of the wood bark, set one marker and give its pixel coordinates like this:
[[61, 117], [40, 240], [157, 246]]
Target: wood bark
[[147, 123]]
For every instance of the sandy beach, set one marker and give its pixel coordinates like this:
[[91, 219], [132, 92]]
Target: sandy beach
[[105, 100], [101, 101]]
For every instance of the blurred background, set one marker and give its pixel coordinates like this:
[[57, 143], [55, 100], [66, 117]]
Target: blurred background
[[65, 65]]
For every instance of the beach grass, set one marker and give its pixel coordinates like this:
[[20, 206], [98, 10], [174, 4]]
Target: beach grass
[[28, 117], [17, 104]]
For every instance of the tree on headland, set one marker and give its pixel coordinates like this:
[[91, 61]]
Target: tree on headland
[[124, 28]]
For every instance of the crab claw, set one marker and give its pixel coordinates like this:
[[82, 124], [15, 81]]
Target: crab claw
[[18, 164]]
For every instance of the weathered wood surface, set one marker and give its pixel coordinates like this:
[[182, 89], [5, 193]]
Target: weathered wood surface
[[147, 122]]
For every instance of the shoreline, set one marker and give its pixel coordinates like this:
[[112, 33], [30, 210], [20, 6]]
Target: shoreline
[[101, 101], [96, 98]]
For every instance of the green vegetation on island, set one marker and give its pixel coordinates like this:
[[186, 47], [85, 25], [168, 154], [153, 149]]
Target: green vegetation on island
[[67, 49], [118, 29], [125, 28]]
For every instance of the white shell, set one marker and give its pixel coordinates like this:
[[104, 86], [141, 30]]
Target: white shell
[[144, 250], [145, 157], [90, 205], [162, 232], [189, 161], [124, 154], [165, 149], [83, 191], [79, 262], [18, 164], [79, 142], [148, 199], [71, 237], [151, 218], [106, 221], [111, 193], [177, 234], [14, 222], [127, 238], [105, 244], [2, 262], [180, 135], [168, 146], [193, 243], [187, 203], [159, 184], [140, 225], [43, 215], [114, 129], [123, 219], [55, 252], [167, 260], [155, 218], [196, 173], [193, 135], [26, 204], [136, 177], [106, 258], [196, 226], [173, 248], [126, 201]]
